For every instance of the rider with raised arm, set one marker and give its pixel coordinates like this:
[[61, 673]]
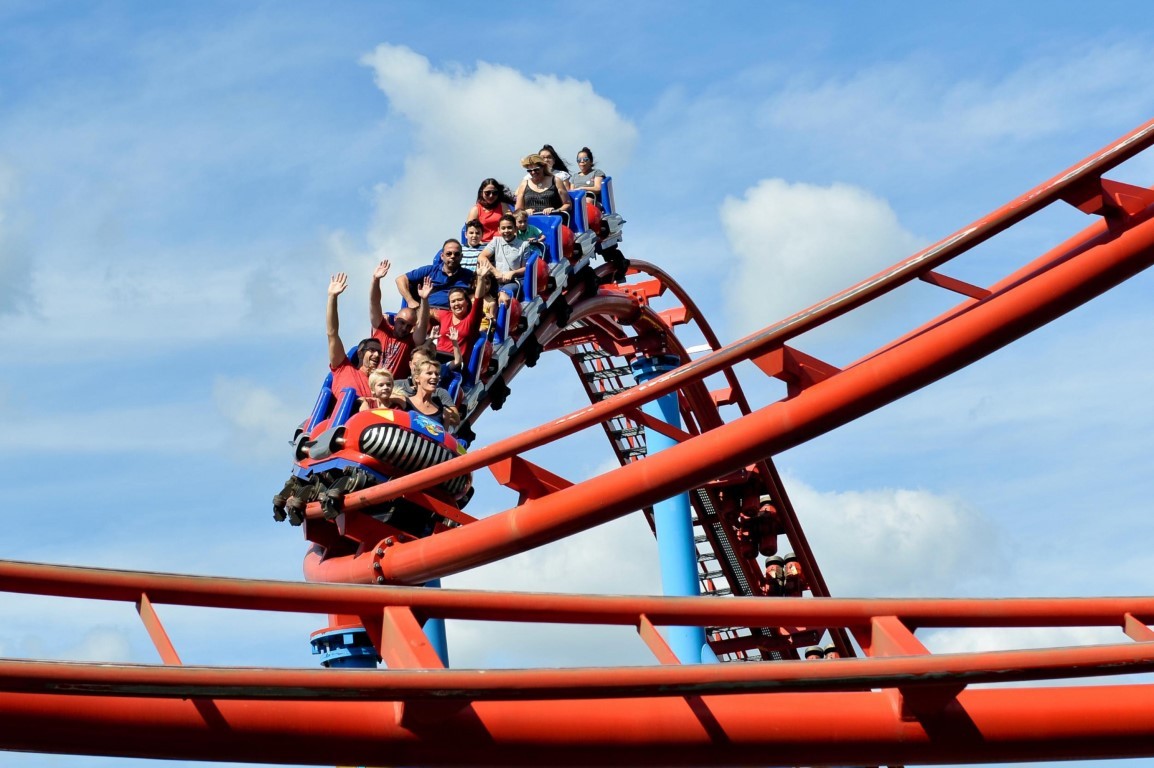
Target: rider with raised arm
[[446, 273], [368, 356], [462, 317], [395, 336]]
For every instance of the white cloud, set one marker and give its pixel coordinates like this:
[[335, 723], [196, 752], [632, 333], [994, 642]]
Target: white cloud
[[915, 111], [468, 125], [986, 639], [258, 418], [797, 244], [894, 542]]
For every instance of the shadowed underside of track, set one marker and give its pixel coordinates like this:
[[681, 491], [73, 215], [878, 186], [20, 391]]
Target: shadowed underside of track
[[899, 704]]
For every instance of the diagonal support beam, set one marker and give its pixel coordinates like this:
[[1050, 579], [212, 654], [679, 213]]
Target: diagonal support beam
[[156, 631], [797, 369], [528, 479], [657, 425], [1136, 629], [655, 641], [889, 636], [955, 285], [403, 643], [1109, 199]]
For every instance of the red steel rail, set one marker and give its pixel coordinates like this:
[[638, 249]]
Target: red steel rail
[[901, 704]]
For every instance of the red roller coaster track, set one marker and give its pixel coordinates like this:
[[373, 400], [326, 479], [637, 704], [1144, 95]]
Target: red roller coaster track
[[896, 704]]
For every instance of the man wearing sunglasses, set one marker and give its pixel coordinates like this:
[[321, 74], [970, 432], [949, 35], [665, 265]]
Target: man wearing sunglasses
[[446, 273]]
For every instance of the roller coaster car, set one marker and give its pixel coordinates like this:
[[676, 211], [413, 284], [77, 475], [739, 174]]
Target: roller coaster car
[[347, 452]]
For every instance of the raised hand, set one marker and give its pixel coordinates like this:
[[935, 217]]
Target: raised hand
[[426, 288], [382, 269], [338, 283]]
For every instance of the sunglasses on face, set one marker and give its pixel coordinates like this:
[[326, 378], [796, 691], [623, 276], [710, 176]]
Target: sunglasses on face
[[488, 192], [584, 160], [535, 169]]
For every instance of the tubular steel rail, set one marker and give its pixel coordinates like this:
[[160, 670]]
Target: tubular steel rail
[[900, 704]]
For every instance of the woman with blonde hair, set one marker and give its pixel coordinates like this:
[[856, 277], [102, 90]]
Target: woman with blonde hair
[[426, 377], [541, 191]]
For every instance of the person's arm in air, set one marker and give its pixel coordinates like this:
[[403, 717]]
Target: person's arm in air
[[421, 329], [375, 313], [455, 340], [337, 354]]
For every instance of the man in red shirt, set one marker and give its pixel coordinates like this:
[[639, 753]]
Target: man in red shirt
[[368, 357], [395, 337]]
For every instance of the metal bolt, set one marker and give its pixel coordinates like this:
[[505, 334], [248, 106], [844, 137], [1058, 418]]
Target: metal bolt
[[389, 542], [376, 566], [380, 579], [379, 552]]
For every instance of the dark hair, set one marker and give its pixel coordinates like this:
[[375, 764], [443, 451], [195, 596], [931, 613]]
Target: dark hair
[[558, 163], [586, 150], [503, 193], [451, 240], [463, 292], [508, 216], [473, 223], [366, 344]]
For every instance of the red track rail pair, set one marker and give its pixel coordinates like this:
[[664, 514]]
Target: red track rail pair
[[924, 708]]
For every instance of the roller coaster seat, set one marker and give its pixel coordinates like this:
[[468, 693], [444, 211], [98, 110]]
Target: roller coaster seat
[[586, 212]]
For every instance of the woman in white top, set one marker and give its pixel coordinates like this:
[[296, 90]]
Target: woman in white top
[[556, 165]]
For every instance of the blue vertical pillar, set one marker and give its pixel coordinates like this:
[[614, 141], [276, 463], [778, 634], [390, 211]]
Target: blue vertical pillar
[[672, 518], [435, 630]]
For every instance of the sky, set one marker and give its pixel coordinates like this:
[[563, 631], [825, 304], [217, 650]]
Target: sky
[[178, 181]]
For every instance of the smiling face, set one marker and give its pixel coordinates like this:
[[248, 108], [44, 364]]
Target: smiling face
[[428, 376], [369, 355], [508, 230], [458, 303], [489, 195]]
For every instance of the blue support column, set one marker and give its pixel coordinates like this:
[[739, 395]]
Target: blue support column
[[672, 519], [435, 630], [345, 648]]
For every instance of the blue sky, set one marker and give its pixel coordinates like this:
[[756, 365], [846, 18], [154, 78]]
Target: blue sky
[[178, 180]]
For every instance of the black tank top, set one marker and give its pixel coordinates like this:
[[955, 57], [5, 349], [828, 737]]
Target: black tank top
[[539, 201]]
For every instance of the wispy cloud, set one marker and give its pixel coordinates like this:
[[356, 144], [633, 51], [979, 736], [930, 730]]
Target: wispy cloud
[[799, 243], [468, 124], [895, 541]]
